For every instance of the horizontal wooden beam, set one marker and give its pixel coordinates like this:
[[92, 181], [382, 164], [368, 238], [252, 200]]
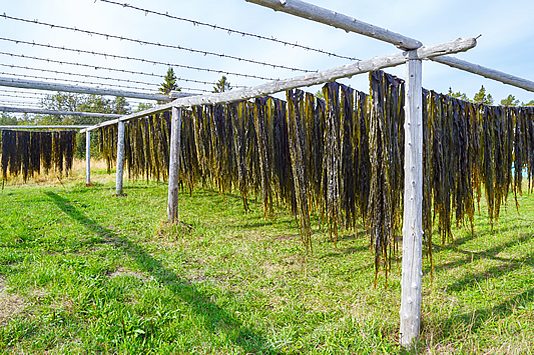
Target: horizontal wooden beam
[[362, 66], [150, 111], [331, 18], [39, 85], [60, 113], [46, 127], [486, 72]]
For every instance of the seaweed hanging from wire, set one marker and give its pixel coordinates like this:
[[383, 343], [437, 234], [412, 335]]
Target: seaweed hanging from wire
[[386, 142], [25, 152]]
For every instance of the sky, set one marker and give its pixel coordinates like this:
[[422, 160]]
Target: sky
[[506, 43]]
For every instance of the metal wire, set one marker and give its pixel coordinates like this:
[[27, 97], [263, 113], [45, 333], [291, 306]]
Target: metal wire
[[71, 81], [34, 104], [221, 55], [21, 97], [23, 92], [133, 58], [83, 75], [229, 30], [100, 67]]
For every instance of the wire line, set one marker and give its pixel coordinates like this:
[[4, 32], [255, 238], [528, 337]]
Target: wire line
[[133, 58], [158, 44], [229, 30], [100, 67]]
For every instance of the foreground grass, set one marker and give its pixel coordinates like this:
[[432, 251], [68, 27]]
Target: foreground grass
[[82, 271]]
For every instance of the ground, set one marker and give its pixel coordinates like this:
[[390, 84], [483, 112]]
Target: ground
[[83, 271]]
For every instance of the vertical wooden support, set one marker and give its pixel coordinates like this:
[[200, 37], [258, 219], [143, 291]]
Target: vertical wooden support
[[87, 158], [410, 312], [120, 159], [174, 165]]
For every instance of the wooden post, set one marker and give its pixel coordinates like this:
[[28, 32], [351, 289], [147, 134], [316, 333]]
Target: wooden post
[[174, 165], [120, 159], [88, 158], [412, 240]]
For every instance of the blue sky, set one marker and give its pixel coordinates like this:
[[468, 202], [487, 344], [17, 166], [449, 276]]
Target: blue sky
[[506, 42]]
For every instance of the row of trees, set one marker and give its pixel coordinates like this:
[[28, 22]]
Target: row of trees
[[63, 101], [101, 104], [482, 97]]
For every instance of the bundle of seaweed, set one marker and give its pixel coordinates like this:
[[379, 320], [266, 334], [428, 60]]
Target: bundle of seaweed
[[190, 174], [497, 136], [23, 152], [9, 146], [298, 142], [472, 144], [263, 116], [346, 156], [335, 118], [46, 151], [342, 157], [278, 146], [146, 146], [523, 147], [386, 142], [108, 144]]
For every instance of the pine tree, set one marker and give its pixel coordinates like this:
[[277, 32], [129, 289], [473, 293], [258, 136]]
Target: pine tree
[[169, 83], [458, 95], [482, 98], [222, 85], [510, 101], [121, 106]]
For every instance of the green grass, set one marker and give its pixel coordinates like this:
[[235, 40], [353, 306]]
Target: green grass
[[82, 271]]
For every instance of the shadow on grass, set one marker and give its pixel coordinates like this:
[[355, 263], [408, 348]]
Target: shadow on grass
[[493, 272], [476, 319], [215, 317], [491, 253]]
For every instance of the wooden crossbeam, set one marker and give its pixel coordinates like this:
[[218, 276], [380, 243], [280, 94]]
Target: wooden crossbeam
[[332, 18], [54, 112], [362, 66], [486, 72], [40, 85]]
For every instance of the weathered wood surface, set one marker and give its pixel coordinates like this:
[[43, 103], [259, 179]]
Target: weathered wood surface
[[148, 112], [410, 312], [363, 66], [174, 165], [46, 127], [332, 18], [40, 85], [87, 158], [53, 112], [486, 72], [120, 159]]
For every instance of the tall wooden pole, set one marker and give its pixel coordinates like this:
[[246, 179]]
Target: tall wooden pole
[[412, 240], [87, 158], [120, 159], [174, 165]]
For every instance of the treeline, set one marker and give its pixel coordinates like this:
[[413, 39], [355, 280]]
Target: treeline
[[72, 102], [483, 97]]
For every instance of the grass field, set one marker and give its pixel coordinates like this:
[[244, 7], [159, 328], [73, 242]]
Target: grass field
[[82, 271]]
